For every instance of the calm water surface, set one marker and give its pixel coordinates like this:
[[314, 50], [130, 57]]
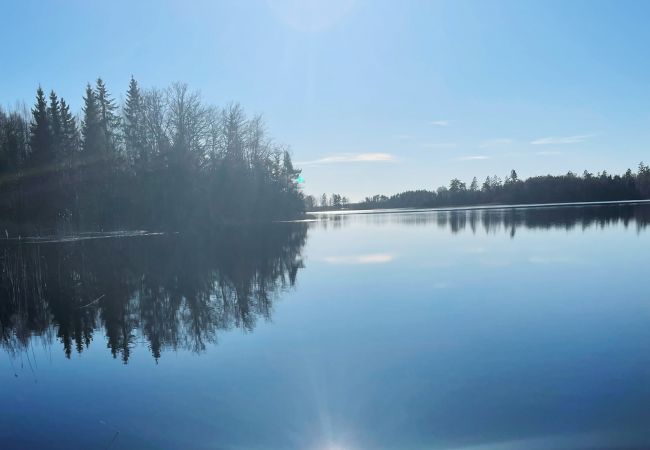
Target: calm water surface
[[497, 329]]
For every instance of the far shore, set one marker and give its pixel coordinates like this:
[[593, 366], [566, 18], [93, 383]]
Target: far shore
[[476, 207]]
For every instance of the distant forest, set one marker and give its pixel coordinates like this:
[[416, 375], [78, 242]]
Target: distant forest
[[162, 160], [509, 191]]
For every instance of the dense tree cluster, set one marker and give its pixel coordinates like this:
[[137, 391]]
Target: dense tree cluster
[[161, 160], [335, 201], [541, 189]]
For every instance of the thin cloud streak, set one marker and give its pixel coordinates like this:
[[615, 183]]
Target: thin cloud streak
[[350, 158], [440, 123], [473, 158], [440, 145], [577, 139]]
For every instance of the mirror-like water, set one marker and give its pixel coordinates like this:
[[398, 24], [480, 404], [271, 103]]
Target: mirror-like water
[[486, 329]]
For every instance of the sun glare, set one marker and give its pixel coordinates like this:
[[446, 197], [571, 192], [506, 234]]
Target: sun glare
[[311, 15]]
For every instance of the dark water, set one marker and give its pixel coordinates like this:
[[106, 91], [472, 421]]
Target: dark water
[[496, 329]]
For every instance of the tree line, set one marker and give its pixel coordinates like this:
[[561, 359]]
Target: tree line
[[571, 187], [161, 160], [334, 201]]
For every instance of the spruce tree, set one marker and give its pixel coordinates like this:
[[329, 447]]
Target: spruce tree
[[90, 172], [40, 136], [41, 198], [54, 117], [69, 146], [69, 132], [90, 127], [133, 125], [108, 120]]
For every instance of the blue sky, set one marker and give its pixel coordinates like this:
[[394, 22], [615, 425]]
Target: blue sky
[[372, 96]]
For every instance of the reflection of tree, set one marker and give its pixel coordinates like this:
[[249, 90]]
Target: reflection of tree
[[509, 219], [171, 291]]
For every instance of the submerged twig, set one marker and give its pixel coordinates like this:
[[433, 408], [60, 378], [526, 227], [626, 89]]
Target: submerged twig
[[94, 301], [110, 444]]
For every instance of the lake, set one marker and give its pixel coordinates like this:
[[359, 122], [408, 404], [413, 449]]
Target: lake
[[505, 328]]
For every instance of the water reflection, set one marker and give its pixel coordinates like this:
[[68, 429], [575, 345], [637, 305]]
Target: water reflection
[[173, 292], [505, 219]]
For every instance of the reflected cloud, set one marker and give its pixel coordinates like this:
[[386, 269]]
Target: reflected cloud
[[475, 250], [552, 259], [495, 262], [371, 258]]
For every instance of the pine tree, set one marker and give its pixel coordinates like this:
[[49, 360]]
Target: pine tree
[[643, 180], [69, 132], [90, 127], [40, 136], [287, 167], [40, 200], [90, 173], [133, 125], [109, 121], [54, 116], [487, 184], [69, 152]]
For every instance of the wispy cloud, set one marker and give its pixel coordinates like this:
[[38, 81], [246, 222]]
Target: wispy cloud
[[440, 123], [577, 139], [473, 158], [372, 258], [548, 153], [350, 158], [403, 137], [440, 145], [496, 142]]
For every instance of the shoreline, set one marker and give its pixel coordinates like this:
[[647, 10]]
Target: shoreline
[[477, 207]]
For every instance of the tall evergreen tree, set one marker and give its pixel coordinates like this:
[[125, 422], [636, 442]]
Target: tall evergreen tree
[[90, 127], [69, 132], [69, 142], [133, 125], [54, 116], [40, 138], [473, 185], [109, 121], [42, 193]]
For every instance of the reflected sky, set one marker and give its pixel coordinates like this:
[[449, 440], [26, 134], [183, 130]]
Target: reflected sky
[[528, 329]]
